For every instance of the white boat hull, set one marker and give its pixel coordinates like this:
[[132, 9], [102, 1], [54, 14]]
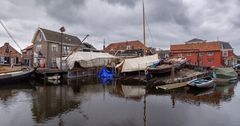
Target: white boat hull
[[201, 84]]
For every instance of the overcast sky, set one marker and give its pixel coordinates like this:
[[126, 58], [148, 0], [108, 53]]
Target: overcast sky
[[168, 21]]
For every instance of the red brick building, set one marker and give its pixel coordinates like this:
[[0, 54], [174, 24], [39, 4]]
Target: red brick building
[[9, 55], [203, 53]]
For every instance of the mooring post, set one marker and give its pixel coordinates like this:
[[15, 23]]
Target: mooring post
[[138, 72], [173, 74], [45, 78]]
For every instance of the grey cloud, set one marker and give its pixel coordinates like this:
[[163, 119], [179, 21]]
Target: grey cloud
[[170, 21], [167, 11], [67, 11]]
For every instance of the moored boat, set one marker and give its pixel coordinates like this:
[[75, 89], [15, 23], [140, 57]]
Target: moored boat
[[15, 76], [225, 76], [206, 82], [165, 67], [237, 69], [137, 64], [161, 69]]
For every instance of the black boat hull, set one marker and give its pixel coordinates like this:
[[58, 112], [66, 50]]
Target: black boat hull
[[15, 78]]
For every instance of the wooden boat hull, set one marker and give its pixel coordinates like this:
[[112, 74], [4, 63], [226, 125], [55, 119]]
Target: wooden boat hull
[[166, 68], [159, 71], [15, 76]]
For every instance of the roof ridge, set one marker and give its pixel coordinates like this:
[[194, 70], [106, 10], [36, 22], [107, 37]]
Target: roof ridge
[[125, 42], [57, 32]]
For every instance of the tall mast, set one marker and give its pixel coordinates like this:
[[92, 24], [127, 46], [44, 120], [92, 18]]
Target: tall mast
[[5, 28], [144, 30]]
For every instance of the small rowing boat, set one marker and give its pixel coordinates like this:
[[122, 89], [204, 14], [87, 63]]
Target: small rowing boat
[[206, 82]]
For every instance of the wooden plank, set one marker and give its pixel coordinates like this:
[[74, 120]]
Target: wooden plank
[[172, 86]]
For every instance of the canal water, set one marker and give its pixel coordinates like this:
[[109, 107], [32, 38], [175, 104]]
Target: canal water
[[90, 102]]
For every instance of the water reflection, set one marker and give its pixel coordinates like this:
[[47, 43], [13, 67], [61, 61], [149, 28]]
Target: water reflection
[[53, 101], [9, 91], [212, 96], [85, 101], [131, 92]]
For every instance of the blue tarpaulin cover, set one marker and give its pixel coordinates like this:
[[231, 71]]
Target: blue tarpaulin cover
[[105, 75]]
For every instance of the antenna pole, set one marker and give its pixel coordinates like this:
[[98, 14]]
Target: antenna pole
[[104, 44]]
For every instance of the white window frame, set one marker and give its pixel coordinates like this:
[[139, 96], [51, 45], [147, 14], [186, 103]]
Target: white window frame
[[225, 53], [210, 53], [66, 50], [2, 60], [38, 47], [54, 47], [129, 47], [53, 62]]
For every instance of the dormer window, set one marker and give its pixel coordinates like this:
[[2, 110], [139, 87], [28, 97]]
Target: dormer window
[[129, 47]]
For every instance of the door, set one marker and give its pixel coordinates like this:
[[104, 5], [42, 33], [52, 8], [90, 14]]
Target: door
[[7, 60], [17, 60]]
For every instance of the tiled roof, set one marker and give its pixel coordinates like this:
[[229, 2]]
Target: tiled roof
[[205, 46], [225, 45], [56, 36], [123, 45], [29, 47]]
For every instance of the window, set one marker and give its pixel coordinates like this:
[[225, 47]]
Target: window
[[38, 47], [66, 50], [54, 47], [210, 60], [129, 47], [201, 54], [229, 62], [225, 53], [180, 55], [2, 60], [53, 62], [210, 53], [189, 54]]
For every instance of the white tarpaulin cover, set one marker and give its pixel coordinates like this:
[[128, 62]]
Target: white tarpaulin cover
[[86, 60], [139, 63]]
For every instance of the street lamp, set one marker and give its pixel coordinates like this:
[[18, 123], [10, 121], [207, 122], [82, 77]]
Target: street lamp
[[62, 29]]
